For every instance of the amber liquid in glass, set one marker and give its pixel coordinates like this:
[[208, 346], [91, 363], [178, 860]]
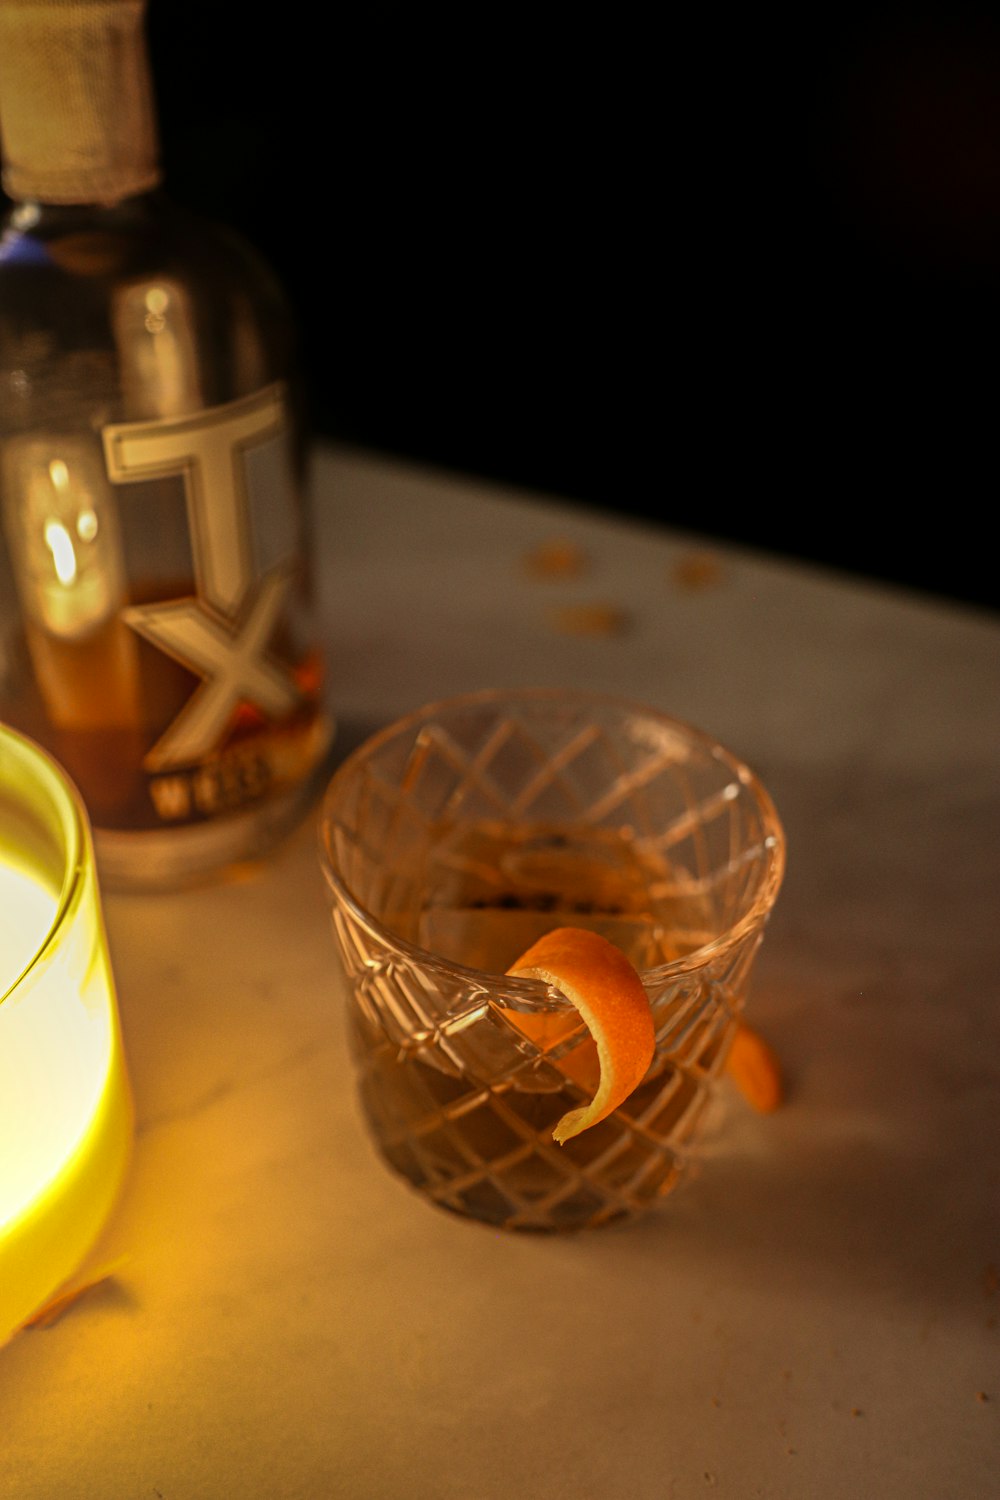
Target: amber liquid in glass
[[478, 1110], [492, 889]]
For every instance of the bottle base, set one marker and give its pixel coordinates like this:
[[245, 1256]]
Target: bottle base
[[171, 858]]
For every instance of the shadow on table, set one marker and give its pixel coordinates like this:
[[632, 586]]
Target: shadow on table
[[877, 986]]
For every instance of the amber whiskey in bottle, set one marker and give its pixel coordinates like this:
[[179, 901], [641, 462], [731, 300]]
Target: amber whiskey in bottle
[[157, 626]]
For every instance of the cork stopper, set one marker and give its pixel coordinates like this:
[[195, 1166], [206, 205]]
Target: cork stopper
[[76, 105]]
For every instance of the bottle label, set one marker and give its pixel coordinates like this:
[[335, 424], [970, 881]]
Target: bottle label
[[252, 725], [223, 634], [167, 655]]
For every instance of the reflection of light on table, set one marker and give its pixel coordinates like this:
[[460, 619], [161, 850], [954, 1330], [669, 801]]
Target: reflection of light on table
[[64, 1110]]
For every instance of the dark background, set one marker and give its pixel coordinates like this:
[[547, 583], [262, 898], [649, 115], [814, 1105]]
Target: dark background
[[740, 277]]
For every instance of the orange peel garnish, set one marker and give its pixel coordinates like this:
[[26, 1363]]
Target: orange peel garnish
[[754, 1068], [591, 619], [557, 558], [599, 981], [72, 1291]]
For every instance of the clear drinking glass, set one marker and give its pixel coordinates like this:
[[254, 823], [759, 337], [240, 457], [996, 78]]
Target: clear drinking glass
[[456, 837]]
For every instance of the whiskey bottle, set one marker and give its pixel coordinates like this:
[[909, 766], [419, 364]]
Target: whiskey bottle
[[157, 627]]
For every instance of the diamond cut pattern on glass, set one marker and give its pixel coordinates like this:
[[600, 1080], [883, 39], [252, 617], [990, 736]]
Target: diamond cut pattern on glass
[[460, 1102]]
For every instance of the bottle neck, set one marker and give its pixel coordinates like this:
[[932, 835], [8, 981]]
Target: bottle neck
[[77, 122]]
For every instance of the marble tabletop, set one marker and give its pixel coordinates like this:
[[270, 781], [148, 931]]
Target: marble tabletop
[[813, 1314]]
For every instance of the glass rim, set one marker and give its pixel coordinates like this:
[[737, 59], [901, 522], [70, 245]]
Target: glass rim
[[46, 774], [533, 991]]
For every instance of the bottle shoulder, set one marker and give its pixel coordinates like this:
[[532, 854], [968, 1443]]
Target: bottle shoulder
[[142, 308], [98, 246]]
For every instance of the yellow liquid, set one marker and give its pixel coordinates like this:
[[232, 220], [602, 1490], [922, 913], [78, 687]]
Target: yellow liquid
[[64, 1107]]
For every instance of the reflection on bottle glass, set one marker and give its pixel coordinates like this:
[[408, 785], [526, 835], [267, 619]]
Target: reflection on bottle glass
[[157, 628]]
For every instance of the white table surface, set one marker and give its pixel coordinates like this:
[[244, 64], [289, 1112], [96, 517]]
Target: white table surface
[[814, 1314]]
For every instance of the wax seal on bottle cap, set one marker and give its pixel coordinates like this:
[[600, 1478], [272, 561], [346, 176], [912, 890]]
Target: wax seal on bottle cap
[[76, 114]]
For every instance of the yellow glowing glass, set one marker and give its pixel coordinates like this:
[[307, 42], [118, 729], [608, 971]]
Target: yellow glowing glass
[[65, 1112]]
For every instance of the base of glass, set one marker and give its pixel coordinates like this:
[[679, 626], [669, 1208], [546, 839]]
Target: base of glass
[[164, 859]]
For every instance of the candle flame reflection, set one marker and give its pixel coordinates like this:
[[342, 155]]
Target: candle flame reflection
[[60, 544]]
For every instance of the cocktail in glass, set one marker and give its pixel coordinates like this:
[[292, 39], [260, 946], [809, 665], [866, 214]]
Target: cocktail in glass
[[454, 839]]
